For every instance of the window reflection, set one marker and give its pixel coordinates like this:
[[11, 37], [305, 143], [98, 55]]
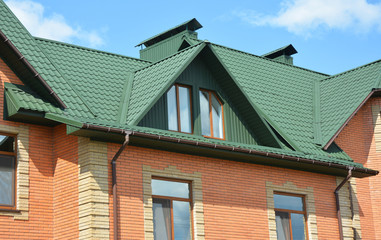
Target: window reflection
[[290, 217], [211, 113], [7, 170], [171, 206], [179, 108]]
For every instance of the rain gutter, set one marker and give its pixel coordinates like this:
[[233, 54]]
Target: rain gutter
[[336, 192], [26, 63], [230, 148]]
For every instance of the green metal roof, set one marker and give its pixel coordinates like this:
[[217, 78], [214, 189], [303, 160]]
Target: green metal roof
[[98, 76], [23, 97], [36, 56], [341, 94], [116, 91], [151, 82]]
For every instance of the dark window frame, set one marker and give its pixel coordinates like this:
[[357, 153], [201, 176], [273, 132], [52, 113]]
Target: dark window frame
[[177, 85], [190, 200], [210, 92], [14, 154], [304, 212]]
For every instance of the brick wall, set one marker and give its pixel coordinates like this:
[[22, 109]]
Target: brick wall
[[51, 186], [358, 140], [65, 201], [234, 194], [38, 221]]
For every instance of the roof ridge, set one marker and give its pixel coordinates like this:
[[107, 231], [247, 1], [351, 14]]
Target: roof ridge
[[170, 56], [351, 70], [271, 60], [87, 48]]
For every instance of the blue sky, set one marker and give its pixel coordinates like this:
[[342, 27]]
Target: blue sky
[[331, 36]]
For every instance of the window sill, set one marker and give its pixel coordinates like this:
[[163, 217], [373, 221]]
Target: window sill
[[10, 210]]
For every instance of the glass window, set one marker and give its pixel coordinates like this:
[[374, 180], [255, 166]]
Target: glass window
[[179, 108], [171, 209], [290, 216], [211, 112], [7, 171]]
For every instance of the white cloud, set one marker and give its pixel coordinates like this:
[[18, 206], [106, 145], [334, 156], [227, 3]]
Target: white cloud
[[55, 27], [304, 16]]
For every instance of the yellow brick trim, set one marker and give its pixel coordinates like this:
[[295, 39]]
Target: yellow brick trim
[[377, 126], [290, 187], [22, 195], [350, 227], [173, 172], [93, 189]]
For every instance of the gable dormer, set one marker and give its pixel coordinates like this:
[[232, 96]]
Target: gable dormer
[[169, 42]]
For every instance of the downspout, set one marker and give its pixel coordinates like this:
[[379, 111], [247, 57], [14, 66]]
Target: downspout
[[338, 202], [114, 184]]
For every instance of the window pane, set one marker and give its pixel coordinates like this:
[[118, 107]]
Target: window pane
[[204, 111], [282, 225], [6, 180], [288, 202], [181, 220], [161, 219], [7, 143], [172, 109], [298, 228], [217, 118], [170, 189], [185, 111]]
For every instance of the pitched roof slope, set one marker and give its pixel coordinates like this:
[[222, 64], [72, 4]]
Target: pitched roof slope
[[98, 76], [150, 83], [24, 98], [341, 94], [284, 94], [29, 48]]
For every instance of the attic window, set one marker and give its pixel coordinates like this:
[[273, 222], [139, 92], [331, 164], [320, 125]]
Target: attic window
[[211, 112], [179, 108]]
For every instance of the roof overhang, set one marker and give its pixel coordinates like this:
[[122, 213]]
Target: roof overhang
[[25, 70], [374, 93], [224, 152]]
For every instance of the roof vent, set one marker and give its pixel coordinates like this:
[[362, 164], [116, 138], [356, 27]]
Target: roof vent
[[282, 54]]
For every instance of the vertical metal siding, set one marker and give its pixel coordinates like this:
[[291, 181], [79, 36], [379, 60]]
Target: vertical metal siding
[[198, 76]]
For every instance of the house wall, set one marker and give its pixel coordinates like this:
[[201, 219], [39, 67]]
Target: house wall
[[360, 140], [236, 197], [36, 219], [47, 191]]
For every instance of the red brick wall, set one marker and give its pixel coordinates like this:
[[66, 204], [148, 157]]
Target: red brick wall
[[234, 194], [65, 201], [53, 180], [357, 140], [40, 223]]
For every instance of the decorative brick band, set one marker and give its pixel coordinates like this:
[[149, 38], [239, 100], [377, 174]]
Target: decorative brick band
[[22, 198], [173, 172], [351, 228], [377, 126], [93, 190], [289, 187]]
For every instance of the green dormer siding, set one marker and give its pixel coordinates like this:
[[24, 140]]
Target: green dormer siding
[[166, 47], [198, 77]]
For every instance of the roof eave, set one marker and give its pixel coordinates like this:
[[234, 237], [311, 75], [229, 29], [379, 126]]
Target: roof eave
[[26, 63], [361, 172]]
